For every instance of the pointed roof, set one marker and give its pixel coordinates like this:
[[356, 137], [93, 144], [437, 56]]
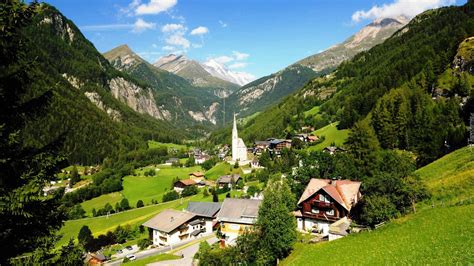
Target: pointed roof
[[343, 192]]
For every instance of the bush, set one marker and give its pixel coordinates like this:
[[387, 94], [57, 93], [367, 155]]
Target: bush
[[140, 204], [144, 243], [172, 195], [150, 172], [189, 191]]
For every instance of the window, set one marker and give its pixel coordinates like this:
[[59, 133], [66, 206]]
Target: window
[[321, 197], [314, 210], [330, 212]]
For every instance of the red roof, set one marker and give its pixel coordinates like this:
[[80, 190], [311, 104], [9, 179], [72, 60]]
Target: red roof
[[197, 174], [187, 182], [345, 192]]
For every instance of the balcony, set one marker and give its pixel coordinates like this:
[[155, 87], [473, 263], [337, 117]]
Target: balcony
[[322, 204]]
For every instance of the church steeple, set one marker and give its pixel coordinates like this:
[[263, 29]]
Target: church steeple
[[235, 134]]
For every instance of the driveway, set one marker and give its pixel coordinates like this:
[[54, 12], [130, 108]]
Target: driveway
[[187, 253]]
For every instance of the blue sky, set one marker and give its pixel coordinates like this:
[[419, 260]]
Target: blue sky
[[254, 36]]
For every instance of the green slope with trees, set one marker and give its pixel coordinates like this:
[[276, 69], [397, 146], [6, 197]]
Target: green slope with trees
[[68, 64]]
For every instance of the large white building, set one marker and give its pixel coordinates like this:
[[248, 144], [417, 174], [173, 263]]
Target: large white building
[[239, 150]]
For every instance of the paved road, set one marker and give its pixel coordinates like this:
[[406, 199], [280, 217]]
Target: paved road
[[155, 251], [187, 253]]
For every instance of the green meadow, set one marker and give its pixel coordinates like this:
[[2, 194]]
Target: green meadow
[[141, 187], [221, 169], [156, 144], [332, 135]]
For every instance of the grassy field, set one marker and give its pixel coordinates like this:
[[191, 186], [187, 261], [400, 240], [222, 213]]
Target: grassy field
[[439, 236], [102, 224], [221, 169], [155, 144], [312, 111], [331, 134], [142, 187], [451, 177]]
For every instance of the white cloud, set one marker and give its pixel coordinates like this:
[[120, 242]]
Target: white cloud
[[173, 27], [197, 45], [141, 25], [178, 39], [223, 59], [200, 31], [239, 56], [168, 48], [154, 45], [408, 8], [223, 24], [238, 65], [155, 7]]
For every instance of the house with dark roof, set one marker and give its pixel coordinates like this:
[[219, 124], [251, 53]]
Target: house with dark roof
[[179, 185], [236, 216], [206, 211], [324, 202], [170, 227], [228, 180]]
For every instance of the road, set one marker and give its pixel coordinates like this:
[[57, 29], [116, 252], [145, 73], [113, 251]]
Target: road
[[187, 253], [154, 251]]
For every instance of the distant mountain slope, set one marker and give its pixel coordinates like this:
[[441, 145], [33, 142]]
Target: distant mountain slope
[[218, 70], [369, 36], [268, 90], [194, 72], [179, 102], [394, 86], [88, 106]]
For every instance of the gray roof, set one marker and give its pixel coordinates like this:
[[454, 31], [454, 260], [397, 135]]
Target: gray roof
[[244, 211], [227, 179], [204, 209], [168, 220]]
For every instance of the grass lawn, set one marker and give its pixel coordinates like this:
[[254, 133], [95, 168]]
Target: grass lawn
[[141, 187], [332, 134], [155, 144], [312, 111], [439, 236], [155, 258], [102, 224], [451, 177], [146, 188], [99, 202], [221, 169]]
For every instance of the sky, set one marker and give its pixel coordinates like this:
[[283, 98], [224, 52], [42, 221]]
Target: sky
[[253, 36]]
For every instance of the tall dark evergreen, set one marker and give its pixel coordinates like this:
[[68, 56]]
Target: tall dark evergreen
[[29, 219]]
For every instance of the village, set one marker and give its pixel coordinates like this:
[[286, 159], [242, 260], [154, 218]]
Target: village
[[322, 212]]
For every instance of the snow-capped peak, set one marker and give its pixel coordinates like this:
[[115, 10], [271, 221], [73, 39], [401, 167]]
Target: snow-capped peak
[[218, 70]]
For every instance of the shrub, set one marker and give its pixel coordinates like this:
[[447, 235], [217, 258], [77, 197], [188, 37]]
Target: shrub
[[172, 195], [189, 191]]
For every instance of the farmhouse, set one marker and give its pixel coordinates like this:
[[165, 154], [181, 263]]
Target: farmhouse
[[260, 146], [200, 159], [333, 150], [179, 185], [172, 161], [324, 202], [228, 180], [237, 215], [207, 211], [276, 145], [170, 227], [196, 176]]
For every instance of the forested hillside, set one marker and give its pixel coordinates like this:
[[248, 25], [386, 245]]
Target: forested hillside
[[93, 122], [395, 86]]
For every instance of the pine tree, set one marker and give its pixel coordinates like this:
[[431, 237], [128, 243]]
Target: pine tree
[[363, 146], [29, 219], [276, 223]]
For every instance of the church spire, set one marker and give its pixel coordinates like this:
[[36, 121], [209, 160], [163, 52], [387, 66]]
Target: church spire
[[235, 135]]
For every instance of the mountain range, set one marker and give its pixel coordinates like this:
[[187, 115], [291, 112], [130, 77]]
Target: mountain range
[[269, 90]]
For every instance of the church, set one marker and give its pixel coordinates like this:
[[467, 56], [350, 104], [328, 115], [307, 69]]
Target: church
[[239, 150]]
